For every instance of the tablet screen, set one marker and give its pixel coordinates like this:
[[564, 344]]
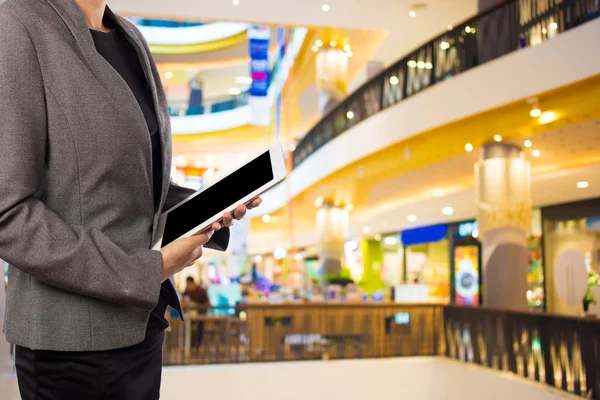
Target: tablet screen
[[218, 197]]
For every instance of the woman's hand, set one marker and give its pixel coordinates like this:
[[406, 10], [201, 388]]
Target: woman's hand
[[238, 214], [182, 253]]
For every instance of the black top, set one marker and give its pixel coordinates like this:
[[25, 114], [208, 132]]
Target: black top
[[120, 53]]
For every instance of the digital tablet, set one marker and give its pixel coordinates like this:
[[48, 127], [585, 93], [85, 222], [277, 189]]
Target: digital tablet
[[207, 206]]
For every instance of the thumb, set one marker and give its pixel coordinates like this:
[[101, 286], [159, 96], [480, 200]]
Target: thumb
[[202, 238]]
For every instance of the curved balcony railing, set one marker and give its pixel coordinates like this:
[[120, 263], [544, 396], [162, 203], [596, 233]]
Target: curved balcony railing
[[501, 30], [209, 106]]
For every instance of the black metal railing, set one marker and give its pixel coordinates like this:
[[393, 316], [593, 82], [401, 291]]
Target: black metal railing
[[501, 30], [562, 352], [558, 351]]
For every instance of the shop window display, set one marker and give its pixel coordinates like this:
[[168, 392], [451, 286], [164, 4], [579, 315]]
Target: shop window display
[[428, 264]]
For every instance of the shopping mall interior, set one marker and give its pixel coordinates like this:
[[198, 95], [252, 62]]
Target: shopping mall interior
[[439, 226]]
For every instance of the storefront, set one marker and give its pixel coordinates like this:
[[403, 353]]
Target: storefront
[[426, 260], [574, 226]]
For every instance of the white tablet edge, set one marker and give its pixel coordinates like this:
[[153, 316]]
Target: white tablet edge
[[279, 169]]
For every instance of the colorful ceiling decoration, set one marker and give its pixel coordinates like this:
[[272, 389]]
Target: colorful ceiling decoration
[[171, 37]]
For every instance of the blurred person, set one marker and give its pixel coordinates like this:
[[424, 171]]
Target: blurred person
[[85, 157], [199, 295]]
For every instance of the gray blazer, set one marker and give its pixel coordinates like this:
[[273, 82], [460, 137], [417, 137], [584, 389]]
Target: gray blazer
[[76, 198]]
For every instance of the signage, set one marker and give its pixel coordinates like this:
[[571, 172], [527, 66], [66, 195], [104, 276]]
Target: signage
[[259, 60], [430, 234], [258, 42], [467, 229], [466, 275], [402, 318]]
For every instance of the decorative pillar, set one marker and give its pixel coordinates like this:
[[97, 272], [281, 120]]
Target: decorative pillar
[[503, 180], [333, 224], [332, 76]]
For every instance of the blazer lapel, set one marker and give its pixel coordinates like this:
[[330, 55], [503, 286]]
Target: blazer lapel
[[158, 98], [117, 88]]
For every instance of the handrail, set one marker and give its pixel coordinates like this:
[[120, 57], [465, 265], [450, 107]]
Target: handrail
[[495, 32], [164, 23]]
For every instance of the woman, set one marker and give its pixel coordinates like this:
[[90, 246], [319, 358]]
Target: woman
[[85, 156]]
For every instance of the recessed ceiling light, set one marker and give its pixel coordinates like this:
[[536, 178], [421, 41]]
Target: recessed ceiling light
[[350, 54], [366, 230], [498, 138], [448, 211], [319, 202], [421, 64], [444, 45], [390, 240], [315, 48], [553, 26], [475, 234], [449, 27], [378, 237], [394, 80], [536, 153], [469, 147], [412, 64], [412, 13], [350, 114], [236, 2], [169, 75], [347, 47], [180, 161], [325, 7], [333, 43], [528, 143], [535, 112], [412, 218], [548, 117], [583, 185], [468, 29], [235, 91], [544, 31], [428, 65], [319, 43], [266, 218], [243, 80]]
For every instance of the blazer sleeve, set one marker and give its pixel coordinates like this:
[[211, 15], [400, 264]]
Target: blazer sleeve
[[220, 239], [33, 238]]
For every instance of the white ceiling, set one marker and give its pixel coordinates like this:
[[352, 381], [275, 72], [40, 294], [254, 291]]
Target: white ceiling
[[568, 155], [392, 15]]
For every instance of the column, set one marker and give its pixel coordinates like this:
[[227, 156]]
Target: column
[[332, 76], [332, 233], [503, 203], [372, 251]]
